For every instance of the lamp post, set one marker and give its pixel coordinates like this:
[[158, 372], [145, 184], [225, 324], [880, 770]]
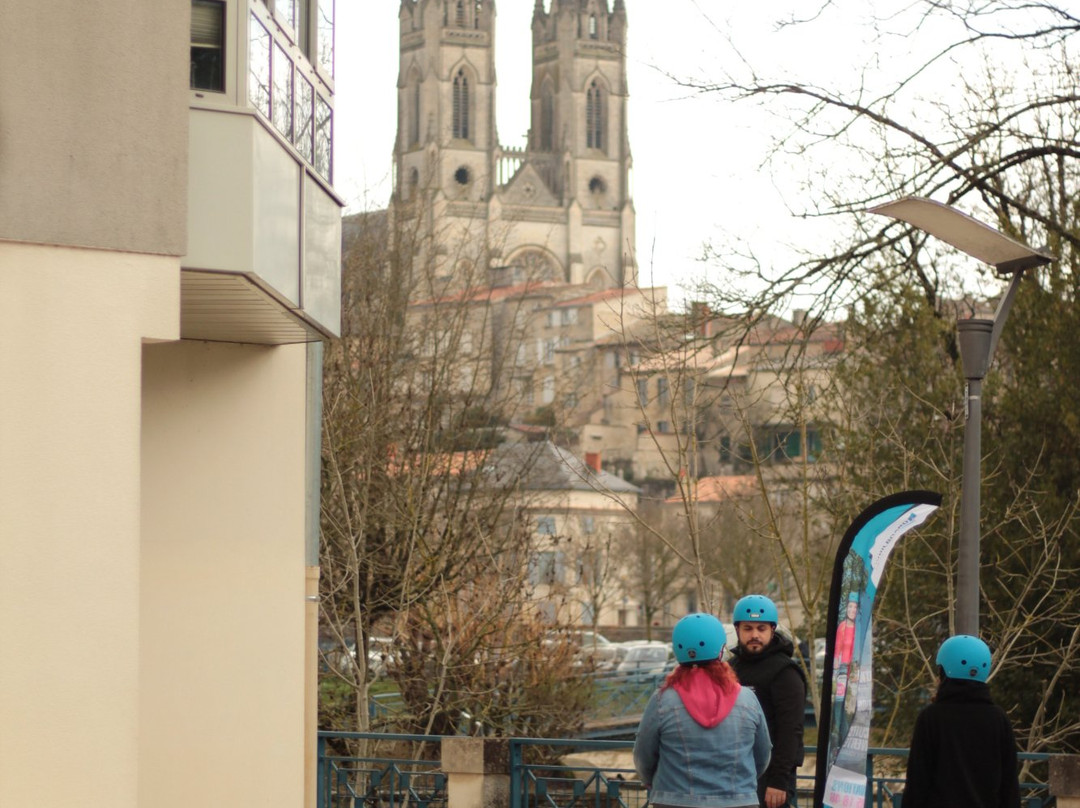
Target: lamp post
[[977, 339]]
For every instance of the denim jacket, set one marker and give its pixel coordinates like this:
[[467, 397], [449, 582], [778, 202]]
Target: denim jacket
[[686, 764]]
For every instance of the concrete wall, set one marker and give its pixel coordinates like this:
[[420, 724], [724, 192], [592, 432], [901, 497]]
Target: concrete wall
[[222, 653], [72, 323], [93, 123]]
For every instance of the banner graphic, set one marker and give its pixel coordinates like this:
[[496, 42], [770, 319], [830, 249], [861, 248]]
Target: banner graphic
[[847, 679]]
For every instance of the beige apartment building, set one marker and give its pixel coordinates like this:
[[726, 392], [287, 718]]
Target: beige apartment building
[[169, 263]]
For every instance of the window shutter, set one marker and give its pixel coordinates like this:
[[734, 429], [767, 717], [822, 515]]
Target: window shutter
[[207, 22]]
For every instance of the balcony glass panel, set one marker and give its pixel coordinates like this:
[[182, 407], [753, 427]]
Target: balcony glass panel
[[259, 67], [304, 129], [324, 123], [282, 98], [326, 36]]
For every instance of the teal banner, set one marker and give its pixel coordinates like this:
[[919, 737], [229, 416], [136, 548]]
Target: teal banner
[[848, 676]]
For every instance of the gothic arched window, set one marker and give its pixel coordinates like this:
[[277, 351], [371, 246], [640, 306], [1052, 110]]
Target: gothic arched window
[[594, 116], [547, 118], [461, 105], [414, 111]]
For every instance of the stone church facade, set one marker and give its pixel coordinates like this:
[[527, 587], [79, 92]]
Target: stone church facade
[[559, 210]]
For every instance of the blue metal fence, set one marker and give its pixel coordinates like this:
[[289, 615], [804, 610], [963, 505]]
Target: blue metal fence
[[379, 779], [382, 776]]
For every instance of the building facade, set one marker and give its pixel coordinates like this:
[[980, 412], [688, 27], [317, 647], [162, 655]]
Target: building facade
[[559, 209], [169, 263]]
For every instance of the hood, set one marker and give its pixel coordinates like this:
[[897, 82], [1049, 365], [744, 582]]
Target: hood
[[704, 700], [960, 690]]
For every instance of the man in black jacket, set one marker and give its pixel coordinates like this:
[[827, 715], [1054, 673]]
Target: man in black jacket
[[963, 750], [763, 661]]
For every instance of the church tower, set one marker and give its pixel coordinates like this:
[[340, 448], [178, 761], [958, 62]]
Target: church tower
[[578, 104], [558, 210]]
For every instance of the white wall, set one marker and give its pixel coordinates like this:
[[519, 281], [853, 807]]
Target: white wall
[[222, 652], [72, 324]]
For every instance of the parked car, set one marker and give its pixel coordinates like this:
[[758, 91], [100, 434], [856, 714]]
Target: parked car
[[342, 659], [592, 649], [380, 656], [646, 657]]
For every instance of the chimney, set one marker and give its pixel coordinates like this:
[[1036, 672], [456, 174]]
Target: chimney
[[592, 460]]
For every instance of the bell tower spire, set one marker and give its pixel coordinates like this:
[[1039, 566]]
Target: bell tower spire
[[579, 99]]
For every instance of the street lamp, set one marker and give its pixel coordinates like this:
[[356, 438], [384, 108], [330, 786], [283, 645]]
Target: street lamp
[[977, 339]]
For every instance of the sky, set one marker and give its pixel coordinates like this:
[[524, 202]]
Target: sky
[[697, 173]]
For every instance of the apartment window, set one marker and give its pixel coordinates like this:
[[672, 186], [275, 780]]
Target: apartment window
[[304, 120], [459, 14], [324, 137], [569, 316], [689, 391], [259, 67], [594, 116], [461, 106], [643, 392], [547, 393], [549, 351], [282, 96], [662, 397], [545, 525], [546, 568], [594, 30], [588, 525], [207, 45]]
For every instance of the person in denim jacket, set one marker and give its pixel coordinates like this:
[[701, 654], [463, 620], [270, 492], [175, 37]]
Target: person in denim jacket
[[702, 741]]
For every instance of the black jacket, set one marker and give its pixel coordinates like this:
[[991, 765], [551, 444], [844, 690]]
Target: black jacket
[[779, 684], [963, 752]]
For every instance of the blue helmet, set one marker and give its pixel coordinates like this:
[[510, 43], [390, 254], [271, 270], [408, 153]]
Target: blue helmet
[[964, 657], [755, 609], [698, 638]]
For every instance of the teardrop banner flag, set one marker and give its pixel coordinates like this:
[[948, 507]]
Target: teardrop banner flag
[[847, 678]]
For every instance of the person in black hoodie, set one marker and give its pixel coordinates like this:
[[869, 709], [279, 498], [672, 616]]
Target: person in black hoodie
[[763, 661], [963, 750]]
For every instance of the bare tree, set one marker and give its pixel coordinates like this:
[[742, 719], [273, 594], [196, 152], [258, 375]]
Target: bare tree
[[413, 513]]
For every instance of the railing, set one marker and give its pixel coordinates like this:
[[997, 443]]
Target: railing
[[406, 770], [565, 785], [533, 785], [381, 776]]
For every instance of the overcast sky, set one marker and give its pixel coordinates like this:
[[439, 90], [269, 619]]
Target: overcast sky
[[696, 160]]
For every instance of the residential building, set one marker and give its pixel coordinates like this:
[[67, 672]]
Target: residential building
[[169, 263], [583, 519]]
